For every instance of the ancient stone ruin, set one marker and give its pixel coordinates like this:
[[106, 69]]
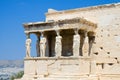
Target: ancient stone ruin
[[77, 44]]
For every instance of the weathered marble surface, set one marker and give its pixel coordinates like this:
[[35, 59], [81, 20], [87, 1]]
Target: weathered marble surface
[[42, 46], [58, 46], [28, 47], [104, 62], [76, 45]]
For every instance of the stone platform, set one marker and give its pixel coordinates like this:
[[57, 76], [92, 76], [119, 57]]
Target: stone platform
[[71, 68]]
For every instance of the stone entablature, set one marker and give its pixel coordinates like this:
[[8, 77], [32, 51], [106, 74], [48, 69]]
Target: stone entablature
[[79, 23]]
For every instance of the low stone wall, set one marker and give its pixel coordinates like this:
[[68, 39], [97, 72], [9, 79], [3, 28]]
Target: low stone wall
[[71, 68]]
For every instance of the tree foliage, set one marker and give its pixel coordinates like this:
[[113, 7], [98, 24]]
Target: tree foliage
[[18, 75]]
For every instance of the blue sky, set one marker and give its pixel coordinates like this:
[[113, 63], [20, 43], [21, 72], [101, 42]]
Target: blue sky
[[13, 13]]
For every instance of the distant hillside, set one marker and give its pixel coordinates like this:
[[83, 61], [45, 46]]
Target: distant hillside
[[11, 63], [10, 67]]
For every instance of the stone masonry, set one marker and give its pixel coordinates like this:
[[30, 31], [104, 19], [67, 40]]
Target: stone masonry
[[77, 44]]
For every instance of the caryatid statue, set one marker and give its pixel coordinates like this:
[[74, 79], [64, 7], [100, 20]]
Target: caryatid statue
[[28, 47], [58, 45], [42, 45], [76, 44]]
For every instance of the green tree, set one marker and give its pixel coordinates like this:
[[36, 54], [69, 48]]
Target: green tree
[[18, 75], [12, 78]]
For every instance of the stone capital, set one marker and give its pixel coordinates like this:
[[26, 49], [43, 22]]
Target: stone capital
[[58, 32], [27, 35], [76, 31]]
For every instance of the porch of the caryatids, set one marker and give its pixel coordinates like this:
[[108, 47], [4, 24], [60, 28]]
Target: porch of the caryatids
[[28, 45], [76, 43], [42, 45], [58, 44]]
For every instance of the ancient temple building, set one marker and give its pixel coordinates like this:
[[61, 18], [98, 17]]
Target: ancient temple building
[[76, 44]]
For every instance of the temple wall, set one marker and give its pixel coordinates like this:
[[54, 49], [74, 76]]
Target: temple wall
[[50, 49], [102, 64], [52, 46], [107, 33], [105, 52], [67, 42]]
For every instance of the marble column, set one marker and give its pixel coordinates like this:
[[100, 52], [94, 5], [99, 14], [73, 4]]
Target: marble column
[[38, 45], [76, 44], [86, 46], [28, 45], [58, 45], [42, 45]]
